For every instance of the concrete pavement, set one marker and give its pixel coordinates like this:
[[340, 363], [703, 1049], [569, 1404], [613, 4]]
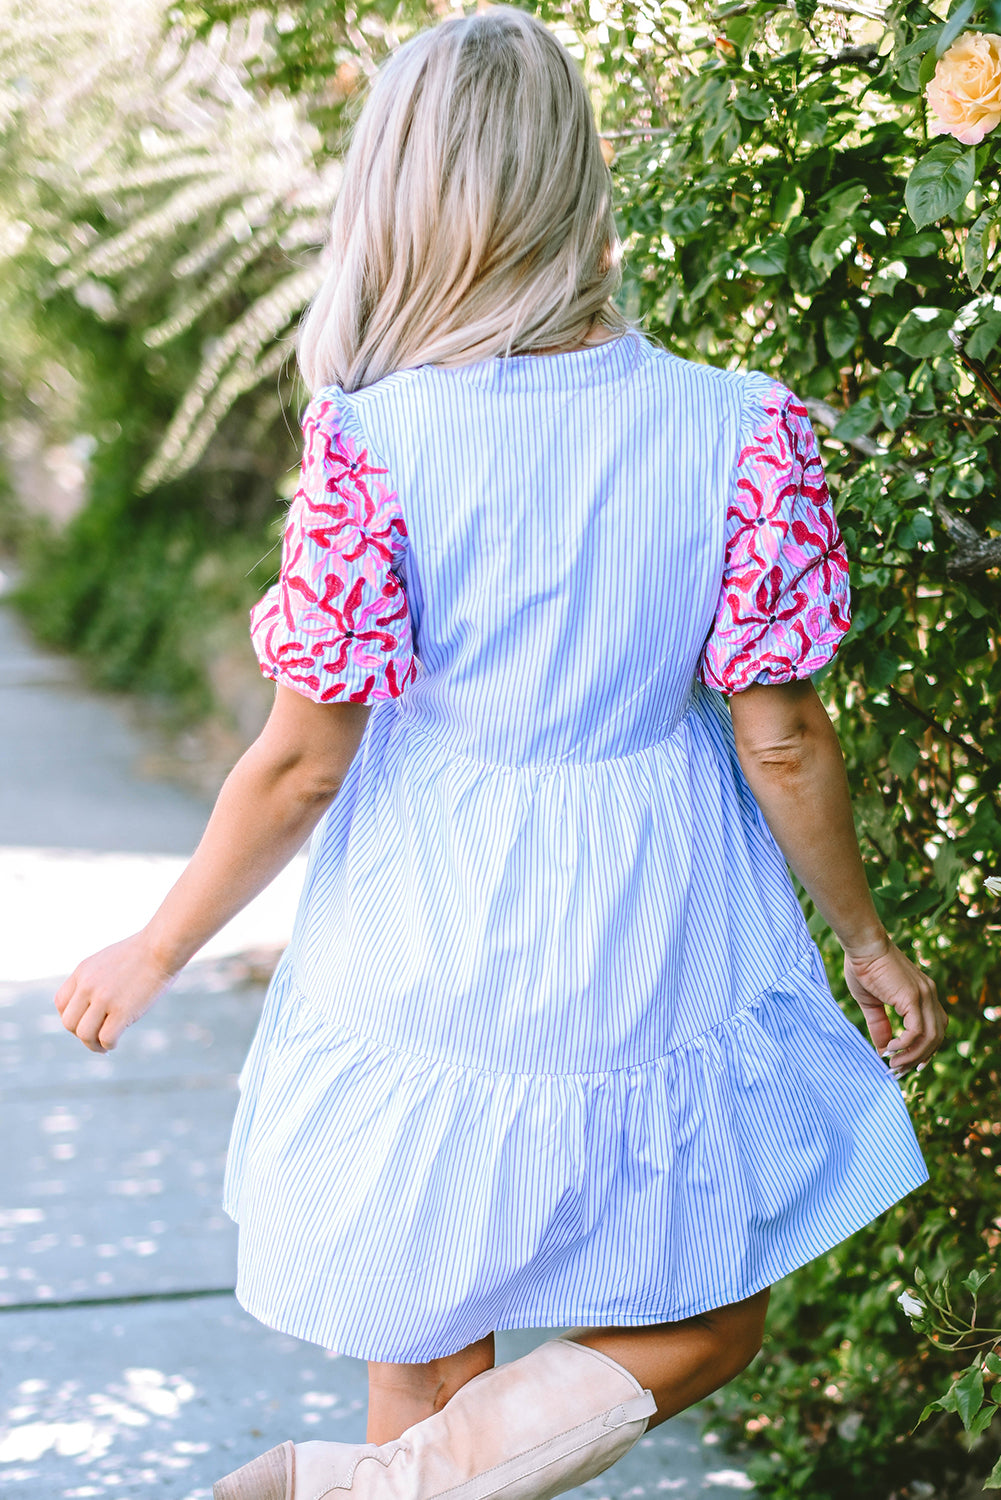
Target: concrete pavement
[[127, 1367], [88, 847]]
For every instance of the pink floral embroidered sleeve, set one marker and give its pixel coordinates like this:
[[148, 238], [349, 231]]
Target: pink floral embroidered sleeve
[[335, 627], [784, 601]]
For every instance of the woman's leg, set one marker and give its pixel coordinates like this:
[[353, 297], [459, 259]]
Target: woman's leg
[[682, 1362], [540, 1425], [679, 1362], [400, 1395]]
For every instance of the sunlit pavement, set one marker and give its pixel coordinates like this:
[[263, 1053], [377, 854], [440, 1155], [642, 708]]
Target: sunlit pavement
[[127, 1367]]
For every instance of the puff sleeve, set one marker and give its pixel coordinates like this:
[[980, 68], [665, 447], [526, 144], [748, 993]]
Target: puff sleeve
[[784, 602], [335, 627]]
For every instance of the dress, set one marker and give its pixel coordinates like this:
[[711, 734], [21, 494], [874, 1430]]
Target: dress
[[551, 1043]]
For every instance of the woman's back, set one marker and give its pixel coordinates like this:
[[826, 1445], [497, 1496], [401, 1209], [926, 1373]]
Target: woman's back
[[565, 517]]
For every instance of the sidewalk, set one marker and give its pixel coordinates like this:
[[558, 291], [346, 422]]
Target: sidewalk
[[128, 1368]]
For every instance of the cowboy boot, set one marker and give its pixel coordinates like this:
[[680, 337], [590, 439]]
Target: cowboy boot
[[526, 1430]]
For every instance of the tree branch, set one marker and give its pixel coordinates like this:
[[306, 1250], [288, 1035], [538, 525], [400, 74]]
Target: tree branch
[[829, 417], [640, 130], [972, 552], [976, 369], [856, 55], [933, 723], [848, 10], [840, 6]]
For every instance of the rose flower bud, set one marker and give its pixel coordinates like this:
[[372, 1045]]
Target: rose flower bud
[[965, 93], [725, 48], [607, 150]]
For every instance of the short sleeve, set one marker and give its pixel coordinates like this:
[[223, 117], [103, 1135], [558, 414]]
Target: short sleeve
[[335, 627], [784, 601]]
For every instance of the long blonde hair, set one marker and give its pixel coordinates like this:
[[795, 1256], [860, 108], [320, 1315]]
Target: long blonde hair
[[475, 211]]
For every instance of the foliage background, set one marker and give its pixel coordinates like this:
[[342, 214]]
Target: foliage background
[[157, 249]]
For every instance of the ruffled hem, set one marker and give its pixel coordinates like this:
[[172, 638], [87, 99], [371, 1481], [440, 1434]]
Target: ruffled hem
[[398, 1208]]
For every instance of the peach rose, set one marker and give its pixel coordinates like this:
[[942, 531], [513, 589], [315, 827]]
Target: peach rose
[[965, 93]]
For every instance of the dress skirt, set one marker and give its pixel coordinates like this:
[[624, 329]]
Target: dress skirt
[[412, 1169]]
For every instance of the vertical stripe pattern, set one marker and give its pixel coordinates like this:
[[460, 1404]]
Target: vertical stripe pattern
[[551, 1043]]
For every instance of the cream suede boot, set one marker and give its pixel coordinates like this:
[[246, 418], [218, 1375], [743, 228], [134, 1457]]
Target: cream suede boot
[[528, 1430]]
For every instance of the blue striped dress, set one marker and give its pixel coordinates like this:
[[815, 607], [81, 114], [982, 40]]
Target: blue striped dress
[[551, 1043]]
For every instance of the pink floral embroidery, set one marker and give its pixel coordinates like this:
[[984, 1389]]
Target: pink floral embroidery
[[335, 626], [784, 603]]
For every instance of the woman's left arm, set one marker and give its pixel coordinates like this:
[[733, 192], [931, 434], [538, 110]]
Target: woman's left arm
[[269, 804]]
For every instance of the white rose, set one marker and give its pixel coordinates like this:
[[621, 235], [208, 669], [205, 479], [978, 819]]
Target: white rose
[[993, 885], [912, 1307], [965, 93]]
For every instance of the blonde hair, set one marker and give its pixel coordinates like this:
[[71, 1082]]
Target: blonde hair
[[475, 211]]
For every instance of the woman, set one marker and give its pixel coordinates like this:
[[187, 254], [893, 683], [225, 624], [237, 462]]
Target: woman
[[551, 1043]]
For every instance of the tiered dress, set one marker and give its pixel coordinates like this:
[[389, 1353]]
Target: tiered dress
[[551, 1043]]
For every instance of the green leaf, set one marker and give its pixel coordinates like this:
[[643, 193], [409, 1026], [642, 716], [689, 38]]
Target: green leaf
[[915, 245], [685, 218], [788, 201], [857, 420], [841, 330], [993, 1480], [880, 671], [844, 202], [831, 246], [926, 70], [882, 627], [948, 866], [740, 29], [887, 278], [770, 258], [975, 1281], [903, 757], [925, 332], [975, 246], [908, 62], [811, 124], [954, 25], [930, 1409], [919, 45], [985, 336], [894, 398], [969, 1389], [752, 104], [992, 1364], [983, 1419], [711, 138], [939, 182]]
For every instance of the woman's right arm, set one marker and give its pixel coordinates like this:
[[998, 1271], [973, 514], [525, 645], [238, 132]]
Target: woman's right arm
[[269, 804], [792, 760]]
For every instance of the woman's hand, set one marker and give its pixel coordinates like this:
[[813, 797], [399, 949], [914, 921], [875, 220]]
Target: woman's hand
[[269, 804], [111, 989], [886, 979], [790, 756]]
